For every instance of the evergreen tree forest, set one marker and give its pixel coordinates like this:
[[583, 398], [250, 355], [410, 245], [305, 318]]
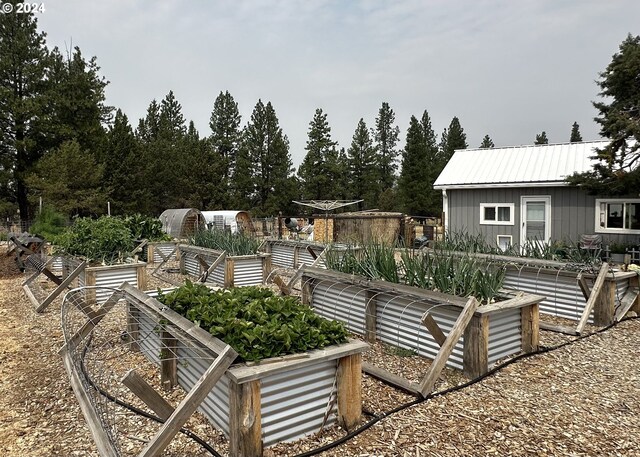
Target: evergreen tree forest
[[62, 143]]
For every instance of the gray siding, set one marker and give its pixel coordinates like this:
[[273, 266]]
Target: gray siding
[[572, 212]]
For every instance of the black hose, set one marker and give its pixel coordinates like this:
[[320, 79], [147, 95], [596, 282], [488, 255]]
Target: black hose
[[139, 411], [376, 419]]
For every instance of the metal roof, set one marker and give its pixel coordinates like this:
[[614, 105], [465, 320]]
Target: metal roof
[[535, 165]]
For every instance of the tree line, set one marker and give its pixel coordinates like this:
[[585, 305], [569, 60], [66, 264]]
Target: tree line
[[61, 142]]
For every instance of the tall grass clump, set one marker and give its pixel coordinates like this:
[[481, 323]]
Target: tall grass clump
[[235, 244], [371, 260]]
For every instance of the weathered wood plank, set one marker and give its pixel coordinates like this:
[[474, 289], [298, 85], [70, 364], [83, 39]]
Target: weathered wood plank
[[530, 322], [62, 286], [429, 381], [627, 302], [595, 292], [430, 323], [475, 359], [349, 391], [370, 317], [389, 378], [558, 328], [210, 268], [584, 286], [105, 447], [136, 384], [245, 427], [189, 404], [229, 272], [168, 361]]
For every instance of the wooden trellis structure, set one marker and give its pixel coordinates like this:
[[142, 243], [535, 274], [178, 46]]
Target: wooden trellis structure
[[40, 299]]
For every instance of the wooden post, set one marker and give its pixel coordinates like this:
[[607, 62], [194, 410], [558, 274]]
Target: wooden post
[[229, 272], [436, 332], [530, 319], [266, 268], [169, 361], [296, 256], [476, 347], [150, 254], [349, 391], [605, 306], [370, 317], [141, 276], [90, 281], [245, 420], [307, 290]]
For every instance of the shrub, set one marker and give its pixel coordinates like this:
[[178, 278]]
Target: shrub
[[107, 239], [49, 224]]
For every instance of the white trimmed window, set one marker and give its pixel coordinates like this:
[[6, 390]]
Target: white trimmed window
[[618, 215], [496, 213]]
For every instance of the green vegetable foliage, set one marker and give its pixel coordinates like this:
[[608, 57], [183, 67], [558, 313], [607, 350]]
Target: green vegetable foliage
[[254, 321]]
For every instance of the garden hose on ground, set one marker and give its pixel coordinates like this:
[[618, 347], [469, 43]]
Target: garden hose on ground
[[378, 418], [139, 411]]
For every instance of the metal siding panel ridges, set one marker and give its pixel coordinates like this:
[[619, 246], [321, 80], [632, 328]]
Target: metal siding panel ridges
[[216, 277], [215, 406], [165, 249], [114, 278], [291, 402], [282, 256], [304, 258], [505, 337], [149, 340], [621, 288], [399, 324], [191, 264], [340, 302], [563, 295], [247, 272]]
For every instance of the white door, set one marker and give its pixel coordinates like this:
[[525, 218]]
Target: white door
[[535, 215]]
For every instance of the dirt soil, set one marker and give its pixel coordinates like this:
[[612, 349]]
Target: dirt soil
[[580, 400]]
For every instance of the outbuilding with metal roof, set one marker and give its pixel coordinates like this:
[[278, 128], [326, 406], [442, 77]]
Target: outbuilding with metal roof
[[515, 195]]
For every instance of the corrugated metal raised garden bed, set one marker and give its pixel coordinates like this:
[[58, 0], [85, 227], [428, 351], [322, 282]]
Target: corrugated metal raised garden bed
[[230, 271], [256, 404], [394, 313]]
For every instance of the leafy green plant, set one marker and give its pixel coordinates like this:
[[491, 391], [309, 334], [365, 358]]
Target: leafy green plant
[[234, 244], [106, 239], [254, 321], [145, 228]]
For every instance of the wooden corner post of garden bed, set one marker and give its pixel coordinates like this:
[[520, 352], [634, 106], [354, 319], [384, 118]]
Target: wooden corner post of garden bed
[[530, 321], [349, 391], [229, 272], [245, 420]]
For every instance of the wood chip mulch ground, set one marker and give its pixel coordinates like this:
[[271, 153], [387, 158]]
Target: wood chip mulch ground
[[580, 400]]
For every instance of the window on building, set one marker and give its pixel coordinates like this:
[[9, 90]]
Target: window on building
[[496, 213], [618, 215]]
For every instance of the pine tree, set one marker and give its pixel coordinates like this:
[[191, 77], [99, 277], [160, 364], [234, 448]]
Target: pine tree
[[123, 176], [225, 136], [321, 164], [268, 150], [363, 172], [617, 171], [69, 180], [414, 173], [487, 142], [23, 69], [386, 139], [575, 133], [168, 166], [76, 101], [452, 138], [541, 138]]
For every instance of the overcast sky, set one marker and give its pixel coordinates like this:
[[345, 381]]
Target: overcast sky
[[510, 69]]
